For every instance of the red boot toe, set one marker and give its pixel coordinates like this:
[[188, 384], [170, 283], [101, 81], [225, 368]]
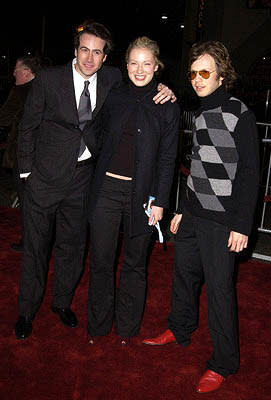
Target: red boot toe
[[165, 338], [209, 382]]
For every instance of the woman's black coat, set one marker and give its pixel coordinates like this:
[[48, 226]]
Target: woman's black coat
[[156, 143]]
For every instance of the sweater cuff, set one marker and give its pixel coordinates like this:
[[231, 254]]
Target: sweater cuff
[[243, 226]]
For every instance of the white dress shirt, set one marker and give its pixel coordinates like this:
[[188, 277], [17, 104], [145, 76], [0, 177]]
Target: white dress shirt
[[78, 81]]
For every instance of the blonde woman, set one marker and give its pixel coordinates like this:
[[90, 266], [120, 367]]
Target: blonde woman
[[137, 161]]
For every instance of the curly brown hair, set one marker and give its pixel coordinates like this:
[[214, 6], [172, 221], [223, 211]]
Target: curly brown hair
[[96, 29], [221, 56]]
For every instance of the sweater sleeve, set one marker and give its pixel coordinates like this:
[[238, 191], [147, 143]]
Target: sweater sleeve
[[181, 200], [246, 182], [167, 156]]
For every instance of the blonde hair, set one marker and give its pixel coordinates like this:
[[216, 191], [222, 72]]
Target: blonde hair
[[145, 43]]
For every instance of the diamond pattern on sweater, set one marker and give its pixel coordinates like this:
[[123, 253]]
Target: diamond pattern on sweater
[[214, 156]]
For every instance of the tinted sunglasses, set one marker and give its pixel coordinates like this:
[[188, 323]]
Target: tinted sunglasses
[[203, 73]]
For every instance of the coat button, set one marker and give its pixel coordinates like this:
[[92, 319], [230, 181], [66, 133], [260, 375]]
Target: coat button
[[139, 130]]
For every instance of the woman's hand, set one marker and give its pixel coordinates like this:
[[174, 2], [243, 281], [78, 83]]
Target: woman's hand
[[156, 214], [175, 222]]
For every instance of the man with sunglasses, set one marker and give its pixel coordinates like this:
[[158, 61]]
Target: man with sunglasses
[[215, 215]]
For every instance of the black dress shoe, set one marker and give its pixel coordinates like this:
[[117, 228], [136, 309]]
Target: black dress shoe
[[67, 316], [23, 327], [17, 246]]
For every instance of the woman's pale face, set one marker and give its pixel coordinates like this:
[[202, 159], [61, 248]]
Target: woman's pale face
[[141, 66]]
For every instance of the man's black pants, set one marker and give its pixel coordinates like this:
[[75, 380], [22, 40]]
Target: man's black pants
[[53, 210], [20, 184], [126, 308], [201, 253]]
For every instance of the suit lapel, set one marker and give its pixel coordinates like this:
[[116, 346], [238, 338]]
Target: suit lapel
[[68, 92], [103, 87]]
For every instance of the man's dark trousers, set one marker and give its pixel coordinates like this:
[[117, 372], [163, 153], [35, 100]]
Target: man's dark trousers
[[48, 207], [19, 184], [201, 253]]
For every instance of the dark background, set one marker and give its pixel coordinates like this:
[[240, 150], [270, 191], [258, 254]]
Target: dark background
[[51, 35]]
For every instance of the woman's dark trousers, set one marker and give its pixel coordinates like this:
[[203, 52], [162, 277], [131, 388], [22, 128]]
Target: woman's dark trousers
[[126, 308]]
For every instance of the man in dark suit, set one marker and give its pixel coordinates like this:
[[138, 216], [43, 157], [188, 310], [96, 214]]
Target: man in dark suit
[[58, 175], [56, 155], [11, 112]]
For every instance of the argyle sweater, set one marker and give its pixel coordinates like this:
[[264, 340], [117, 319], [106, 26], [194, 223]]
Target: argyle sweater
[[224, 174]]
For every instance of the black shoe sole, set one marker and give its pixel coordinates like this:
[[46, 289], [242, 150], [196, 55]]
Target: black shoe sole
[[19, 337], [22, 338], [62, 321]]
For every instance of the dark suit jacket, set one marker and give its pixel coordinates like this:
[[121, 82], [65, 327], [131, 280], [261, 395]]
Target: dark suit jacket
[[49, 134], [10, 115]]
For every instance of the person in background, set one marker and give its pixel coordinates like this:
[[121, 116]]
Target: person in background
[[56, 156], [137, 160], [11, 113], [215, 214]]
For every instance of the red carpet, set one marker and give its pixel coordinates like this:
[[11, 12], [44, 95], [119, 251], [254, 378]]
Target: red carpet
[[56, 363]]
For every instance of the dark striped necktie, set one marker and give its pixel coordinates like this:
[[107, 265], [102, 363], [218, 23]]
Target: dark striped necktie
[[84, 113]]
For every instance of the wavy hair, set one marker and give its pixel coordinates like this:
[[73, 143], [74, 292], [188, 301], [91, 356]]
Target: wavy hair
[[94, 28], [220, 54]]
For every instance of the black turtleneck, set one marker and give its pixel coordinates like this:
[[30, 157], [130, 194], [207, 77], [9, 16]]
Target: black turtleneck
[[141, 91], [215, 99], [122, 161]]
